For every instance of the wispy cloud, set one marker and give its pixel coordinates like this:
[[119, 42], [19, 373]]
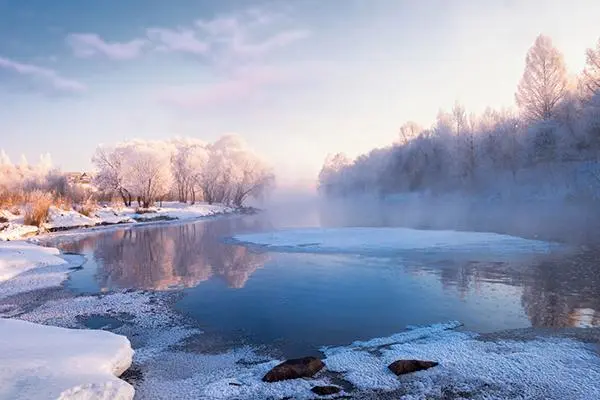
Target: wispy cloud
[[90, 44], [278, 40], [223, 38], [181, 39], [45, 75], [243, 35]]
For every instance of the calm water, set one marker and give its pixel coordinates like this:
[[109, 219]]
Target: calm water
[[302, 301]]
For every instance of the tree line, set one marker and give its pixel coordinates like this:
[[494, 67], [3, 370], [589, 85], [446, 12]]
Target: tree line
[[557, 122], [185, 169]]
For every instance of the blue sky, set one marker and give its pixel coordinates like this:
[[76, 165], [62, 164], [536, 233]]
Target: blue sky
[[297, 79]]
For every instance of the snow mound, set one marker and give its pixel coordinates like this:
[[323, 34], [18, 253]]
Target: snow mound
[[44, 362], [369, 240], [18, 257], [548, 368], [12, 231], [181, 211], [60, 219], [107, 216]]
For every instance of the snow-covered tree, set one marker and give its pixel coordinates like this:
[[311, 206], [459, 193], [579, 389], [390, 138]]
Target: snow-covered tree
[[147, 172], [544, 82], [186, 169], [188, 162], [590, 78]]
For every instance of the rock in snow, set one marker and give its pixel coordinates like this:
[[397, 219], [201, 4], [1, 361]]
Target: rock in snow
[[401, 367], [325, 390], [45, 362], [293, 369]]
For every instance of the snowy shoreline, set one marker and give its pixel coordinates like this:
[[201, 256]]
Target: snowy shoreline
[[71, 220]]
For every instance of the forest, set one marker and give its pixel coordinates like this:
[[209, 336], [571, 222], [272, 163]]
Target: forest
[[549, 146]]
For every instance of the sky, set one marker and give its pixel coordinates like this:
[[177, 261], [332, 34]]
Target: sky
[[298, 80]]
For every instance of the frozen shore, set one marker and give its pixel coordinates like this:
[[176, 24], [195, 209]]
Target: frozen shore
[[61, 220], [46, 362]]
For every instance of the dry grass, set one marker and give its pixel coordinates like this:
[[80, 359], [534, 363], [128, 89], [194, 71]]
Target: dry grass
[[88, 208], [38, 204], [11, 200], [64, 203]]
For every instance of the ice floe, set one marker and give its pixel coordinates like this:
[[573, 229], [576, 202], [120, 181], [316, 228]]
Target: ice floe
[[386, 239]]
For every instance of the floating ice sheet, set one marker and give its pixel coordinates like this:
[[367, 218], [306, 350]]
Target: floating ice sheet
[[391, 240]]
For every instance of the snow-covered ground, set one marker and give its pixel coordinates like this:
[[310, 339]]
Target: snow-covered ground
[[19, 257], [45, 362], [394, 239], [59, 219]]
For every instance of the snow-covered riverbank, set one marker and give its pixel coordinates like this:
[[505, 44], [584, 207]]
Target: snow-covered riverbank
[[61, 220], [46, 362]]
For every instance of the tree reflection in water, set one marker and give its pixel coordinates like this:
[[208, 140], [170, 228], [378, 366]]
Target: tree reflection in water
[[558, 291], [170, 256]]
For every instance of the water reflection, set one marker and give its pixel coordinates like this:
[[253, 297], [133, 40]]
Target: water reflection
[[168, 257], [561, 290], [346, 297], [564, 292]]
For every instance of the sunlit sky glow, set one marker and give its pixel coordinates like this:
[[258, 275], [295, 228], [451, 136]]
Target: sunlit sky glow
[[297, 80]]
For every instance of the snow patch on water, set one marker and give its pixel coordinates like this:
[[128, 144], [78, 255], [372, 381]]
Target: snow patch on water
[[384, 240], [143, 310]]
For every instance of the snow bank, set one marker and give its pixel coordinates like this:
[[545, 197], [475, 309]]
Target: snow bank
[[18, 257], [44, 362], [108, 216], [369, 240], [182, 211], [60, 219], [12, 231], [548, 368]]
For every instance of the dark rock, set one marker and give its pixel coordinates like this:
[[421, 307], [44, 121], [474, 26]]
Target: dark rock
[[325, 390], [401, 367], [293, 369]]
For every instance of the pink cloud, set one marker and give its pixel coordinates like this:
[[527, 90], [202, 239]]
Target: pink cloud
[[47, 75], [243, 84], [181, 39], [90, 44]]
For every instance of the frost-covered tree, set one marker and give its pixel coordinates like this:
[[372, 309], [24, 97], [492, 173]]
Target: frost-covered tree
[[185, 169], [110, 164], [590, 78], [544, 82], [188, 162], [147, 171]]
